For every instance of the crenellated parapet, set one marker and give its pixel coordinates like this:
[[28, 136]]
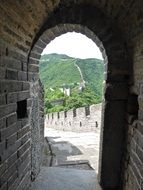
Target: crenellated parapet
[[80, 120]]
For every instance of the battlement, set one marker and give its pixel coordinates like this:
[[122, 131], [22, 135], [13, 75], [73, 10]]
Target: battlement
[[79, 120]]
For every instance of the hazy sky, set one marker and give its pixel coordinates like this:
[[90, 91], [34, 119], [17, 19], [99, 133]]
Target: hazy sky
[[74, 45]]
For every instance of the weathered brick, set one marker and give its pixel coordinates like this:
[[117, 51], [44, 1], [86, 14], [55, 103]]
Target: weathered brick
[[2, 123], [33, 61], [4, 178], [27, 169], [4, 133], [4, 186], [23, 95], [2, 99], [22, 123], [25, 181], [41, 43], [140, 139], [11, 159], [23, 166], [133, 179], [10, 63], [12, 179], [135, 170], [22, 76], [139, 152], [25, 138], [140, 127], [2, 72], [23, 148], [33, 76], [2, 147], [11, 119], [24, 66], [33, 68], [11, 140], [137, 162], [10, 86], [12, 97], [11, 74], [29, 102], [133, 144], [35, 55], [15, 184], [7, 109], [14, 53], [3, 167], [140, 114], [23, 131], [26, 86], [9, 151]]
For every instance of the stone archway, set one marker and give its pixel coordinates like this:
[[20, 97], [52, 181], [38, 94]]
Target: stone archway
[[91, 22]]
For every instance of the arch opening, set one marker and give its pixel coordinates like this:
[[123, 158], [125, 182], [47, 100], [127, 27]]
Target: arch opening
[[81, 106], [116, 78]]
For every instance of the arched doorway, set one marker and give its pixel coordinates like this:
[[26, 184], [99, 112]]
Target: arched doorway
[[108, 39]]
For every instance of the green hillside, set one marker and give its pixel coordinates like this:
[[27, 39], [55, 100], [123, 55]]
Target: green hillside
[[92, 70], [61, 70], [58, 70]]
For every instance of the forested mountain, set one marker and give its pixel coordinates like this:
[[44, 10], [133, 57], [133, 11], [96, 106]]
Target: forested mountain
[[58, 70]]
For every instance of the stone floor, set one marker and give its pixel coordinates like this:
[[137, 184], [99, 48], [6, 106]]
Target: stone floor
[[74, 162], [55, 178], [70, 147]]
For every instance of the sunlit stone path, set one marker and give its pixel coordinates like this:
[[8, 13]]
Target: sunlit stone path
[[74, 163], [72, 147]]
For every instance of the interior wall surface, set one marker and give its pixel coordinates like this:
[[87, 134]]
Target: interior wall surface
[[25, 29]]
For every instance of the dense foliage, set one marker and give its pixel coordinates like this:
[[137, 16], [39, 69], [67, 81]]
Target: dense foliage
[[76, 100], [60, 70]]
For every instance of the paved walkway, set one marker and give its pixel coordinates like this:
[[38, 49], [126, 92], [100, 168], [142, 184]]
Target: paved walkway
[[71, 147], [74, 162], [65, 179]]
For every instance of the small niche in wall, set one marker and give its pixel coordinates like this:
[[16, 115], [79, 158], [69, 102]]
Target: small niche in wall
[[22, 109]]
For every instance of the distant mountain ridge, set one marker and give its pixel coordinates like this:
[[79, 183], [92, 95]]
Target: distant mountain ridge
[[59, 69]]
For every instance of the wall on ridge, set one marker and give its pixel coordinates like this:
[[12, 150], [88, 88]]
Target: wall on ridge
[[82, 119]]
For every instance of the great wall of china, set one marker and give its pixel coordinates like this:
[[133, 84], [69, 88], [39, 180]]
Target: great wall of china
[[82, 119]]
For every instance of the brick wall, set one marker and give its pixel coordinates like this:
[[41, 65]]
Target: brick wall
[[83, 119], [15, 142], [116, 27], [15, 98]]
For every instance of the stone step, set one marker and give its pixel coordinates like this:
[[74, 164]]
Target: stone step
[[56, 178]]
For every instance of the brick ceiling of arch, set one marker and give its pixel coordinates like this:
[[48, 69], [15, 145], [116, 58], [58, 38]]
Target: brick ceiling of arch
[[24, 19], [27, 20], [91, 22], [51, 33]]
